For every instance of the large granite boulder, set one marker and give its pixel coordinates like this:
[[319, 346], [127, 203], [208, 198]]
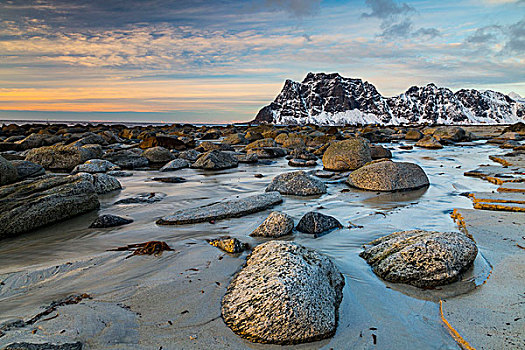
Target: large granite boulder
[[103, 183], [277, 224], [127, 159], [421, 258], [452, 133], [8, 173], [347, 155], [30, 204], [286, 294], [317, 223], [158, 155], [214, 160], [60, 157], [297, 183], [388, 176]]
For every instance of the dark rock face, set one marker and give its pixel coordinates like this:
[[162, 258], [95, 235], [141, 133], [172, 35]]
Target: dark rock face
[[214, 160], [158, 155], [27, 169], [267, 152], [317, 223], [8, 172], [163, 141], [421, 258], [378, 152], [175, 164], [31, 204], [109, 220], [229, 244], [275, 225], [126, 159], [286, 294], [347, 155], [297, 183], [44, 346], [329, 99], [147, 198], [388, 176]]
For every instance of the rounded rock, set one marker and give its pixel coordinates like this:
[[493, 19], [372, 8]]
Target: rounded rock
[[277, 224], [347, 155], [297, 183]]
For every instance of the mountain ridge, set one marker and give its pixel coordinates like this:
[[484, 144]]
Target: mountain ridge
[[330, 99]]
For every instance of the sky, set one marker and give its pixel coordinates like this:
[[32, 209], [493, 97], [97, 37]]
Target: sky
[[220, 61]]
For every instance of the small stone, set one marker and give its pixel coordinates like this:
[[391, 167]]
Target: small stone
[[142, 198], [228, 244], [170, 179], [277, 224], [317, 223], [175, 164], [109, 220]]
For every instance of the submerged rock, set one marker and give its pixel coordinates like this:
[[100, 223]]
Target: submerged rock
[[30, 204], [170, 179], [388, 176], [317, 223], [277, 224], [142, 198], [228, 244], [109, 220], [286, 294], [175, 164], [421, 258], [214, 160], [347, 155], [297, 183], [8, 173], [222, 210]]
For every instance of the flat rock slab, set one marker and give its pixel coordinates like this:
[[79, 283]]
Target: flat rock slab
[[223, 210], [511, 159], [500, 206], [512, 187], [499, 197]]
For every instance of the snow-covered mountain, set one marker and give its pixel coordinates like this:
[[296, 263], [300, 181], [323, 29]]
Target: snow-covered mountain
[[330, 99]]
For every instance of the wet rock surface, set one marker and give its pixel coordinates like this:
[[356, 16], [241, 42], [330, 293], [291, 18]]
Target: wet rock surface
[[31, 204], [142, 198], [223, 210], [277, 224], [44, 346], [317, 223], [347, 155], [286, 294], [297, 183], [215, 160], [421, 258], [109, 220], [388, 176]]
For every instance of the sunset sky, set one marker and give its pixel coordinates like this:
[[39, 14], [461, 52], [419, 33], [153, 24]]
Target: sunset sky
[[221, 61]]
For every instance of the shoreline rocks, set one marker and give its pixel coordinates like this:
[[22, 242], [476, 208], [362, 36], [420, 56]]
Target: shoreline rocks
[[297, 183], [286, 294]]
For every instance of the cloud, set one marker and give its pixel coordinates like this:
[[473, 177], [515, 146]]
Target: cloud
[[386, 9], [299, 8], [516, 37], [499, 39]]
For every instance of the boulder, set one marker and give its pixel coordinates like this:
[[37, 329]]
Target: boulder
[[109, 220], [429, 142], [214, 160], [104, 183], [190, 155], [94, 166], [267, 152], [297, 183], [388, 176], [451, 133], [247, 158], [143, 198], [223, 210], [347, 155], [286, 294], [228, 244], [126, 159], [175, 164], [421, 258], [30, 204], [414, 135], [63, 157], [27, 169], [8, 172], [162, 141], [158, 155], [277, 224], [317, 223], [268, 142], [235, 139], [379, 152]]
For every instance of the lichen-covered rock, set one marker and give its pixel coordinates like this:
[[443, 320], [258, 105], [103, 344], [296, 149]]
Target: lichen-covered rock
[[175, 164], [63, 157], [109, 220], [317, 223], [297, 183], [222, 210], [94, 166], [429, 142], [8, 173], [388, 176], [30, 204], [214, 160], [421, 258], [27, 169], [228, 244], [286, 294], [158, 155], [127, 159], [347, 155], [277, 224]]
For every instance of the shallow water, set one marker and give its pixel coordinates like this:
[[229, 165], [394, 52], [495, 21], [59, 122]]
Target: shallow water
[[398, 311]]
